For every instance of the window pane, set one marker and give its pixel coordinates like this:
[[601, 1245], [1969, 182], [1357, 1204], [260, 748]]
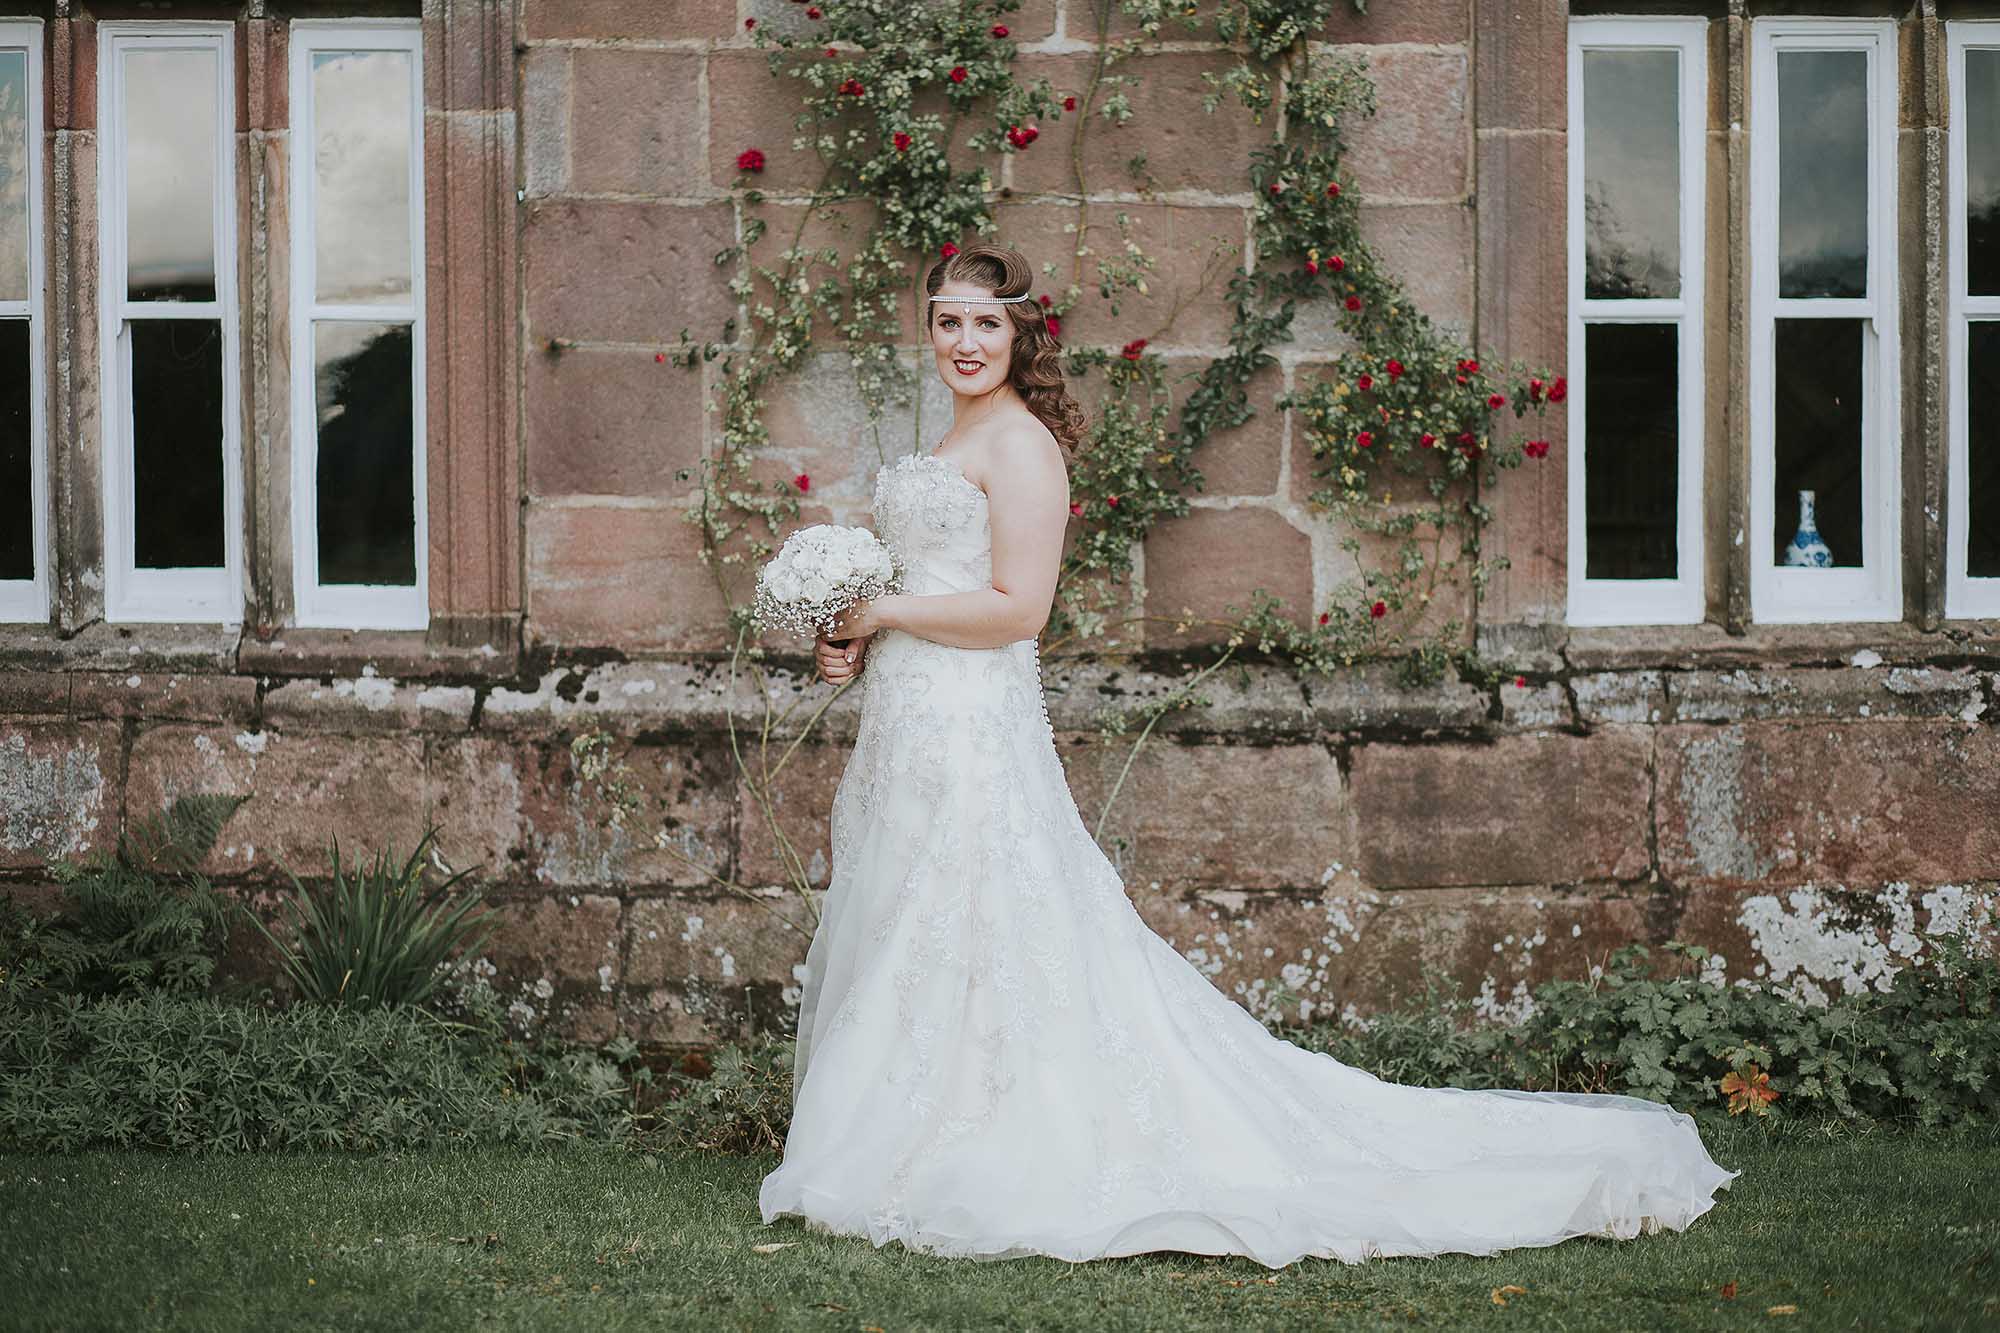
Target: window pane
[[1818, 420], [1982, 425], [1982, 171], [16, 143], [170, 152], [177, 443], [1822, 173], [363, 375], [361, 160], [17, 491], [1631, 422], [1631, 173]]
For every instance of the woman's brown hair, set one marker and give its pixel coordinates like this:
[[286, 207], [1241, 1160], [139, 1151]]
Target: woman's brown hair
[[1035, 369]]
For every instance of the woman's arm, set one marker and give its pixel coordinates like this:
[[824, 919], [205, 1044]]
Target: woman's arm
[[1027, 503]]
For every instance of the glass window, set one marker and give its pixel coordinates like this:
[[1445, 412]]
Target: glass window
[[1972, 520], [172, 475], [24, 492], [1824, 364], [358, 476], [1638, 99]]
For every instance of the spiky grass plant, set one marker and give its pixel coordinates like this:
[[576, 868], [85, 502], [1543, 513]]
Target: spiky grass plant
[[373, 935]]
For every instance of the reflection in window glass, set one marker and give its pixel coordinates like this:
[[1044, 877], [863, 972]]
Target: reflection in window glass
[[15, 144], [177, 443], [169, 162], [1632, 462], [1822, 173], [362, 375], [1982, 437], [1818, 433], [17, 492], [1631, 173], [1981, 136], [361, 159]]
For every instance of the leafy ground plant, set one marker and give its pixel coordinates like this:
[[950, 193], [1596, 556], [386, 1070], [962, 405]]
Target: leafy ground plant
[[373, 935]]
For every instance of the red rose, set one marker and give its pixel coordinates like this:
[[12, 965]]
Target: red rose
[[999, 30], [750, 159], [1535, 391], [831, 53], [1333, 189], [1132, 349], [1276, 187], [1559, 390], [1520, 682], [1428, 440], [749, 25], [947, 250], [1022, 135], [1047, 300], [1111, 500], [1536, 448], [1069, 104], [1364, 439], [1394, 367], [659, 358], [1336, 263], [852, 88], [812, 11], [1076, 506], [1055, 326], [1469, 367], [902, 142], [1353, 303], [802, 481], [1496, 401], [1322, 617], [958, 74], [1365, 383], [1312, 266], [1379, 610]]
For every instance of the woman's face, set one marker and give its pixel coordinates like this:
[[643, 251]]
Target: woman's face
[[973, 343]]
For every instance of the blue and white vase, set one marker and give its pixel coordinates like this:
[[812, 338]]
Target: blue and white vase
[[1807, 550]]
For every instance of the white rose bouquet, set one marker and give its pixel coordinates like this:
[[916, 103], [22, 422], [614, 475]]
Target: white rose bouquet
[[820, 572]]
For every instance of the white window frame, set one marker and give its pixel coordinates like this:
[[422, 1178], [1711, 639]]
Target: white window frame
[[27, 600], [349, 606], [1678, 600], [198, 595], [1965, 597], [1872, 591]]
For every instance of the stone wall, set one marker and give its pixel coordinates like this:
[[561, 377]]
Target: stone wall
[[1806, 801]]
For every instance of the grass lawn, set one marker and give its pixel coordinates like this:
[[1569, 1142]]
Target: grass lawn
[[1872, 1230]]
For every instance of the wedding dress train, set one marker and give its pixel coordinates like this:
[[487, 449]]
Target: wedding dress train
[[998, 1057]]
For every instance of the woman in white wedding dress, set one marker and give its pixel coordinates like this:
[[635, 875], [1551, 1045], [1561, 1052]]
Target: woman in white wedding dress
[[996, 1056]]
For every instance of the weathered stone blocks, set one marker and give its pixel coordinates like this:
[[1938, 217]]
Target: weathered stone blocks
[[1213, 558], [627, 272], [58, 790]]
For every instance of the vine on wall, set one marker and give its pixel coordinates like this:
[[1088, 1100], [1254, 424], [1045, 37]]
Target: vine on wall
[[906, 108]]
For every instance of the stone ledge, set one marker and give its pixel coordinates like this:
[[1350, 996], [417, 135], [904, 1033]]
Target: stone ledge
[[1879, 692], [454, 647], [1695, 647]]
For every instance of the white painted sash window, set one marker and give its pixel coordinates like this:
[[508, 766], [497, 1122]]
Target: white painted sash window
[[1972, 520], [357, 325], [1824, 355], [173, 485], [1638, 100], [24, 459]]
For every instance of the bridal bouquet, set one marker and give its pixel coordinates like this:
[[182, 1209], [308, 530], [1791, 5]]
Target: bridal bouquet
[[819, 573]]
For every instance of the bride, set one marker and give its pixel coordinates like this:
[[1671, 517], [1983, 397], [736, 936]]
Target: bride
[[996, 1056]]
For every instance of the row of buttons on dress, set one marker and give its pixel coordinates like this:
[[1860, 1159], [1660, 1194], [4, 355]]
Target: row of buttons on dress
[[1035, 650]]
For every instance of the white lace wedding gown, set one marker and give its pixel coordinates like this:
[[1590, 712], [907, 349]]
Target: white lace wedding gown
[[997, 1057]]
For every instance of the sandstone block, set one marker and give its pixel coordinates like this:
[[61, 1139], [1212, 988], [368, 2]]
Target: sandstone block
[[633, 577], [637, 19], [1846, 693], [1544, 808], [1845, 803], [1214, 557], [1185, 147], [627, 272], [158, 696], [605, 421], [1619, 696], [1193, 249], [801, 799], [58, 790], [1418, 144], [638, 110]]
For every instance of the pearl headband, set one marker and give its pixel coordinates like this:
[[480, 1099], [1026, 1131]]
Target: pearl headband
[[969, 301]]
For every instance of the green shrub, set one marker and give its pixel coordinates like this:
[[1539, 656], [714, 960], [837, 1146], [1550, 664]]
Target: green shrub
[[195, 1074], [1926, 1051], [373, 935], [135, 918], [743, 1105]]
